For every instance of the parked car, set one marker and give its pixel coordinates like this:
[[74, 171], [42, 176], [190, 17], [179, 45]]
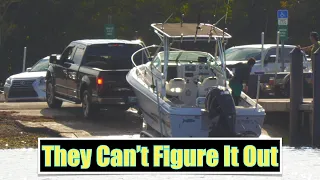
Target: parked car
[[281, 87], [29, 85], [242, 53], [271, 88], [93, 73]]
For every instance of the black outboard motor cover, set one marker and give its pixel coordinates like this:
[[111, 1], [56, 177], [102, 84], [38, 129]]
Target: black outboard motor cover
[[219, 102]]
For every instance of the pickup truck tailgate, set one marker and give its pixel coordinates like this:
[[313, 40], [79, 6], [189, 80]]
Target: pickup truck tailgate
[[115, 83]]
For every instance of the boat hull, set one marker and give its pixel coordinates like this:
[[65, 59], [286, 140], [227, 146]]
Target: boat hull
[[186, 122]]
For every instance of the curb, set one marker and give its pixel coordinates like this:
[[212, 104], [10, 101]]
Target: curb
[[30, 105], [48, 127], [32, 127]]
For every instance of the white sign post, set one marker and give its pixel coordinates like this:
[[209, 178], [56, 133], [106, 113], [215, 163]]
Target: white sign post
[[283, 29], [24, 59]]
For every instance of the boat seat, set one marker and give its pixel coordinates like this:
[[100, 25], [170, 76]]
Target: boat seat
[[175, 87], [206, 84]]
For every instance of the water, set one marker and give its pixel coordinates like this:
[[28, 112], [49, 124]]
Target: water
[[302, 164]]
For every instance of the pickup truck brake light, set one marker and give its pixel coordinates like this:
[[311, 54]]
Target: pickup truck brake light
[[99, 81], [99, 85], [271, 81], [115, 45]]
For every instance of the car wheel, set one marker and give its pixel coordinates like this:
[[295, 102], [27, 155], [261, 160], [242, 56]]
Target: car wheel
[[50, 96], [88, 108]]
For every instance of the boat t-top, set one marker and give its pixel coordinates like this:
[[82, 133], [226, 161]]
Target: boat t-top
[[185, 93]]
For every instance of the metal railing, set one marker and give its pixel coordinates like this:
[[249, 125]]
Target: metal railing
[[154, 76]]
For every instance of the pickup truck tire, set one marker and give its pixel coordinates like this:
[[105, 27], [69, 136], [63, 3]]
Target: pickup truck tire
[[89, 109], [50, 96]]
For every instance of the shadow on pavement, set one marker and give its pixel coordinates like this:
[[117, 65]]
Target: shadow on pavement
[[106, 123]]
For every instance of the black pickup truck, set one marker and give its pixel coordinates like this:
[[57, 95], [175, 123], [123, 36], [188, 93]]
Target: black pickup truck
[[92, 73]]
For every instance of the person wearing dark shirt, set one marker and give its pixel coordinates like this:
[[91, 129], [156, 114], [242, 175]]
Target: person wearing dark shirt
[[241, 75]]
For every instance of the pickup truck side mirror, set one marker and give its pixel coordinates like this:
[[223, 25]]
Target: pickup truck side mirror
[[53, 59], [270, 59], [28, 69]]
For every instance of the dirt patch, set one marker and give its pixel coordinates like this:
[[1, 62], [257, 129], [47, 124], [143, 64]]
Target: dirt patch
[[13, 115], [13, 136]]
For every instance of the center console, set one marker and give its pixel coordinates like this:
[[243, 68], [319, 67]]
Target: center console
[[193, 74]]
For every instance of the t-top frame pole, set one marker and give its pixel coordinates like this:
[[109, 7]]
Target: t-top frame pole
[[166, 50]]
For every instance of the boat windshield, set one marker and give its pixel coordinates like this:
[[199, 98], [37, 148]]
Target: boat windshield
[[190, 56]]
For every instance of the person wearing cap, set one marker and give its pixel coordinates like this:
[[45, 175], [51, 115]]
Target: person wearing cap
[[241, 75]]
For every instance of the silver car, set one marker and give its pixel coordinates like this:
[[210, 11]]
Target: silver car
[[28, 86]]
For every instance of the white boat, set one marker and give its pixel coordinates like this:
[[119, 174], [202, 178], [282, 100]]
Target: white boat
[[186, 93]]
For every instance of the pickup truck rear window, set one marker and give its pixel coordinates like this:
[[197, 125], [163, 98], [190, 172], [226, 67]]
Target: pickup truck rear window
[[112, 56]]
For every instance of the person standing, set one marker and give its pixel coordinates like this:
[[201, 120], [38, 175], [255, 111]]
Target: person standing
[[241, 75], [314, 38]]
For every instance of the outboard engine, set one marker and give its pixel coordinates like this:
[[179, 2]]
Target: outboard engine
[[219, 104]]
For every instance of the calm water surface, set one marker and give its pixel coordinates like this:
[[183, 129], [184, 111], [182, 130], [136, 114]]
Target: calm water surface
[[299, 164]]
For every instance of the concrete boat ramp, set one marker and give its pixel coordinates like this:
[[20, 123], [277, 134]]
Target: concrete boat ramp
[[68, 121]]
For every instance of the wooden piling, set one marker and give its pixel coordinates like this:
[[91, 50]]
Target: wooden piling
[[296, 95], [316, 101]]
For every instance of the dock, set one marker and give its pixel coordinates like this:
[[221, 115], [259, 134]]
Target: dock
[[278, 115], [283, 105], [298, 114]]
